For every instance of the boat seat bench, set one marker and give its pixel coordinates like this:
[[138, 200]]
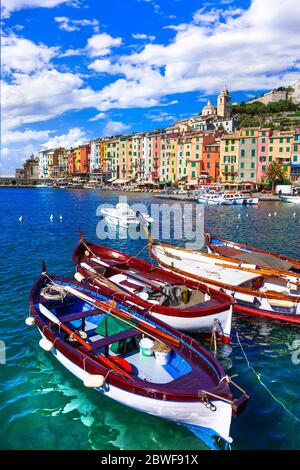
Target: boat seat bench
[[106, 341], [78, 315]]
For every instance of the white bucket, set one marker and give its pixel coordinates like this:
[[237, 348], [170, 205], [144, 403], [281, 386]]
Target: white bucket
[[163, 357], [146, 347]]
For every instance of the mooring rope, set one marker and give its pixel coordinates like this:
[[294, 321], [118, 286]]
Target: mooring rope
[[261, 382]]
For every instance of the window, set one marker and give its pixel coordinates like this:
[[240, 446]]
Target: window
[[232, 149], [264, 168], [271, 149], [187, 154], [270, 159], [242, 152], [281, 140], [226, 149], [280, 149], [193, 164], [197, 147], [247, 133], [263, 149], [208, 155], [193, 174], [208, 164], [295, 148], [288, 149], [197, 155], [242, 175], [252, 165], [253, 141], [226, 168], [288, 140], [252, 175], [243, 141], [253, 153], [252, 132], [295, 158], [264, 133], [242, 165]]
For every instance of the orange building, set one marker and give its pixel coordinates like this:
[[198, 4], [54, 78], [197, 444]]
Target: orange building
[[211, 157]]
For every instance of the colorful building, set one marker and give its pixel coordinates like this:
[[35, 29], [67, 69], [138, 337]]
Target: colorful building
[[247, 161], [211, 157], [263, 154], [295, 158], [229, 158]]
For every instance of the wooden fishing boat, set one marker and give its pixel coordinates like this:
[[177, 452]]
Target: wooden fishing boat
[[256, 291], [184, 304], [249, 254], [99, 341]]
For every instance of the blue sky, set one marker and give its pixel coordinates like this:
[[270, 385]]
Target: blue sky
[[78, 69]]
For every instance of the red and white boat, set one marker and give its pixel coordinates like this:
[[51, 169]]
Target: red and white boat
[[104, 345], [256, 290], [182, 303]]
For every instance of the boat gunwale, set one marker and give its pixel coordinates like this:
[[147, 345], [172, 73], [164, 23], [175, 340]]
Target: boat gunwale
[[168, 311], [268, 294], [293, 261]]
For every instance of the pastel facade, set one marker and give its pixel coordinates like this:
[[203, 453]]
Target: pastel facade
[[247, 161], [263, 154], [280, 149], [295, 158], [229, 158], [211, 157]]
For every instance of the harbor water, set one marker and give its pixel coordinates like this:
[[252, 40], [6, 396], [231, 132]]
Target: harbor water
[[42, 406]]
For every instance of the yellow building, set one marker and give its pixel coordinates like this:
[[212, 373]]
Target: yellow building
[[229, 158]]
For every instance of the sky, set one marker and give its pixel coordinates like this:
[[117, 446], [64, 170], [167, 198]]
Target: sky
[[73, 70]]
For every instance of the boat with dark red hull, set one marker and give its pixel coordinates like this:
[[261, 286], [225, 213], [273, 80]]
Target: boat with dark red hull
[[184, 304], [117, 350], [249, 254]]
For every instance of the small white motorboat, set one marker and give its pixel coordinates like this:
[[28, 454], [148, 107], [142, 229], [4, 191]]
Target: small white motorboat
[[292, 199], [210, 199], [124, 216], [232, 198]]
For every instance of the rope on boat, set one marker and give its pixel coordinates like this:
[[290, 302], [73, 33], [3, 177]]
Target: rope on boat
[[262, 383]]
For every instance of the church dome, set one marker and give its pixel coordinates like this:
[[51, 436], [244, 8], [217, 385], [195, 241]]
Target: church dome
[[208, 109]]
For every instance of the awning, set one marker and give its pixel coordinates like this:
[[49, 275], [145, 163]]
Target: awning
[[111, 180], [121, 181]]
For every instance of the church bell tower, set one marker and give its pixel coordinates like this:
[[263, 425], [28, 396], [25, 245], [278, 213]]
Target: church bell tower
[[224, 104]]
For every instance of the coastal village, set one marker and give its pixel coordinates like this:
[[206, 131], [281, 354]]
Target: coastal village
[[208, 148]]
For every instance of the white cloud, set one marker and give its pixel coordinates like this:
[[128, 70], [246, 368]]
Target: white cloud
[[114, 127], [143, 36], [12, 137], [73, 138], [160, 117], [251, 49], [69, 25], [42, 96], [22, 55], [9, 6], [100, 65], [101, 44], [97, 117]]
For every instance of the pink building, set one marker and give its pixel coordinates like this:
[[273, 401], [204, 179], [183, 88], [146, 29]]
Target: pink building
[[263, 154], [156, 138]]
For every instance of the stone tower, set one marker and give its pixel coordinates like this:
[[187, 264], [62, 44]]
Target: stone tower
[[224, 104]]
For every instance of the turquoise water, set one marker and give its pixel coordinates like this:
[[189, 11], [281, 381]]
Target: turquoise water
[[43, 407]]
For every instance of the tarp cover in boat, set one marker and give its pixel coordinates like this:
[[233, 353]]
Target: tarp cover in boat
[[111, 326], [260, 259]]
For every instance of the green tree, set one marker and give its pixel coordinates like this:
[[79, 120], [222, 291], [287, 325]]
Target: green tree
[[275, 173]]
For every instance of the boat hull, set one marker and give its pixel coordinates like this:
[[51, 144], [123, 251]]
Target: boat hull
[[189, 414], [246, 301]]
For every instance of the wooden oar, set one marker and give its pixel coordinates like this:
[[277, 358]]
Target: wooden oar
[[102, 358], [108, 308]]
